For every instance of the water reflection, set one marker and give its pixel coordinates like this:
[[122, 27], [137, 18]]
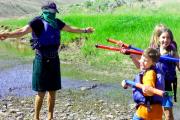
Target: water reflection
[[16, 81]]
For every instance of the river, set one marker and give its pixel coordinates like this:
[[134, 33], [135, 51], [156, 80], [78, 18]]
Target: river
[[16, 81]]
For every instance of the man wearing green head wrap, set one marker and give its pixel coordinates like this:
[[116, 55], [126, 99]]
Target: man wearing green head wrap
[[49, 14], [50, 17], [46, 30]]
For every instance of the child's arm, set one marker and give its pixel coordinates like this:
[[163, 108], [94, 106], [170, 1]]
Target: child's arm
[[147, 90], [178, 63], [149, 80], [128, 83], [135, 59]]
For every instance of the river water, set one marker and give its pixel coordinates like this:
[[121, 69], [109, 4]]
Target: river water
[[16, 81]]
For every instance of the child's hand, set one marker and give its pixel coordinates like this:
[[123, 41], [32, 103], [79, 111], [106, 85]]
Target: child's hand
[[124, 85], [146, 90], [124, 51]]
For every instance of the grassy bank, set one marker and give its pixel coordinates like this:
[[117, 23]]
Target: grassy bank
[[132, 29], [131, 24]]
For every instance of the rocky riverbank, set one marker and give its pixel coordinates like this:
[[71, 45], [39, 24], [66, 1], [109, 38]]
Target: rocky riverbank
[[70, 105], [78, 99]]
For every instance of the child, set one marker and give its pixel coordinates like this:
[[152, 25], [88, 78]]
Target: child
[[154, 38], [154, 42], [148, 104], [168, 47], [163, 40]]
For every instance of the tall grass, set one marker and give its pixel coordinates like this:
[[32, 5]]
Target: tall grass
[[124, 27], [132, 29], [14, 23], [130, 26]]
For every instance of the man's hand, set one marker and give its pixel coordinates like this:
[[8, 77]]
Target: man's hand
[[89, 30], [3, 36]]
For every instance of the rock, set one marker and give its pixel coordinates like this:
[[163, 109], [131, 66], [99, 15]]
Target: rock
[[68, 104], [88, 112], [21, 117], [9, 105], [31, 110], [19, 114], [109, 116], [13, 110], [23, 102], [3, 113], [89, 87], [84, 88], [100, 101], [132, 106]]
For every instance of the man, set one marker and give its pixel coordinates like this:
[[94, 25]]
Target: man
[[45, 41]]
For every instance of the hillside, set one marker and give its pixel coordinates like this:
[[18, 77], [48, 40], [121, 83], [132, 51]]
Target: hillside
[[21, 8], [15, 8]]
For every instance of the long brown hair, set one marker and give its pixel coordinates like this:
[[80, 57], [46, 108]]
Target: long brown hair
[[172, 48], [154, 42]]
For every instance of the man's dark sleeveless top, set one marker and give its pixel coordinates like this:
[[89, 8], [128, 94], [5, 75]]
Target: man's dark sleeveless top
[[45, 38]]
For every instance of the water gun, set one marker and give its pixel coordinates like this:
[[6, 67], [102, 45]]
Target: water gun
[[129, 83], [129, 49], [126, 51]]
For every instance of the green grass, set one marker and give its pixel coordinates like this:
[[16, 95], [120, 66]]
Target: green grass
[[135, 29], [132, 28], [14, 23]]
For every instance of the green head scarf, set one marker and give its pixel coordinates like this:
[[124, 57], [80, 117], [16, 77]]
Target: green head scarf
[[49, 17]]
